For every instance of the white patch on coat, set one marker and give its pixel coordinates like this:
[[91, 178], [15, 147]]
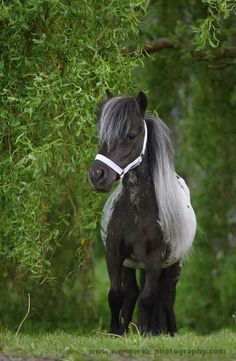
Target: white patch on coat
[[179, 250]]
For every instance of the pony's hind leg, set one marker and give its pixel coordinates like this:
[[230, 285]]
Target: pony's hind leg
[[167, 293], [131, 293], [158, 321]]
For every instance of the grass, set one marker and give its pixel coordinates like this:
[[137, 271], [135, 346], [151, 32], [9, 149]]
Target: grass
[[99, 346]]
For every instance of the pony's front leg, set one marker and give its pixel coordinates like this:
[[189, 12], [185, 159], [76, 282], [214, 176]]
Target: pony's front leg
[[131, 293], [116, 293], [148, 296]]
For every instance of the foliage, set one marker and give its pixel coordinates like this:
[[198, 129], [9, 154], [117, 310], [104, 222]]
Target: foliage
[[197, 100], [208, 29], [57, 59]]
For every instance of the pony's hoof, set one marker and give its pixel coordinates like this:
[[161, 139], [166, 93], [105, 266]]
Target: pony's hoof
[[157, 332], [117, 330]]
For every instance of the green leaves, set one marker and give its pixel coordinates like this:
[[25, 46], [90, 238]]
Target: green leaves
[[57, 58], [207, 30]]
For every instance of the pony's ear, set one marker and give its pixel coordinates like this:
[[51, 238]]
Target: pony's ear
[[142, 101], [109, 94]]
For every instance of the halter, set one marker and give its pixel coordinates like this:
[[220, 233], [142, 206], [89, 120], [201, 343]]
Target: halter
[[136, 162]]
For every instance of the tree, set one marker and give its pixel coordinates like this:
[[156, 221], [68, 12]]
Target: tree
[[57, 59]]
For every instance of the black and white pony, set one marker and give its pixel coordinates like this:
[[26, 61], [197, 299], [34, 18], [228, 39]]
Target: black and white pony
[[148, 221]]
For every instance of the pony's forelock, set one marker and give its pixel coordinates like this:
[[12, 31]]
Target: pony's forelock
[[115, 119]]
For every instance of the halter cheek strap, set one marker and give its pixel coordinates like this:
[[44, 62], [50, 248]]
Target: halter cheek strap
[[136, 162]]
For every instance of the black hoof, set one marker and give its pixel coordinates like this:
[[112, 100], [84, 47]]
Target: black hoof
[[157, 332], [117, 330]]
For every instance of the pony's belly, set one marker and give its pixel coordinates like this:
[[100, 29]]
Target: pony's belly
[[131, 263]]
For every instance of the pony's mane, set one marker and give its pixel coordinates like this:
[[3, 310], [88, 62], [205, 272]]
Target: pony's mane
[[115, 119], [167, 189], [114, 125]]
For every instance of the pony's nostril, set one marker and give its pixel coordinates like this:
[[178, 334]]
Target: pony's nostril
[[100, 173], [97, 176]]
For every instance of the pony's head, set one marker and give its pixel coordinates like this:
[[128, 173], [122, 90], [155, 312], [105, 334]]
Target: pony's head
[[122, 133]]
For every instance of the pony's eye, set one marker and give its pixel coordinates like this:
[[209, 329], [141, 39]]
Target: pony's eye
[[131, 136]]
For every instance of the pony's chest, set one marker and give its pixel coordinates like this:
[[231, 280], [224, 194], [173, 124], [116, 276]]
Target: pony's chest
[[130, 214], [137, 208], [140, 200]]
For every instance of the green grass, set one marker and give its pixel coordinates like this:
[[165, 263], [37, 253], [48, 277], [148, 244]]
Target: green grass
[[99, 346]]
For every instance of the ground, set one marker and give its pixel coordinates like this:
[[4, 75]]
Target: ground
[[102, 346]]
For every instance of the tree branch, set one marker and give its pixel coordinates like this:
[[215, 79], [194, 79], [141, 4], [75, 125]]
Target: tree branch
[[165, 43], [218, 54]]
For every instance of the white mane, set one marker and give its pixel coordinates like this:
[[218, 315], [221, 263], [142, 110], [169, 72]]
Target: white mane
[[176, 215]]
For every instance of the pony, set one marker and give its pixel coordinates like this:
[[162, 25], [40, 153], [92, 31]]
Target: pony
[[148, 222]]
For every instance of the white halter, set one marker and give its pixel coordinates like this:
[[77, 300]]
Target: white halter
[[133, 164]]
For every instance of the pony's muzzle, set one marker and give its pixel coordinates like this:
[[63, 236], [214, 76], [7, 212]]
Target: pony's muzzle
[[101, 177], [97, 176]]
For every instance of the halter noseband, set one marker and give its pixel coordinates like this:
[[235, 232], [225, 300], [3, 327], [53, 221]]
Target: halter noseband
[[136, 162]]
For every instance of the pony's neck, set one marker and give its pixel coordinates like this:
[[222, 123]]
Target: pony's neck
[[139, 176]]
